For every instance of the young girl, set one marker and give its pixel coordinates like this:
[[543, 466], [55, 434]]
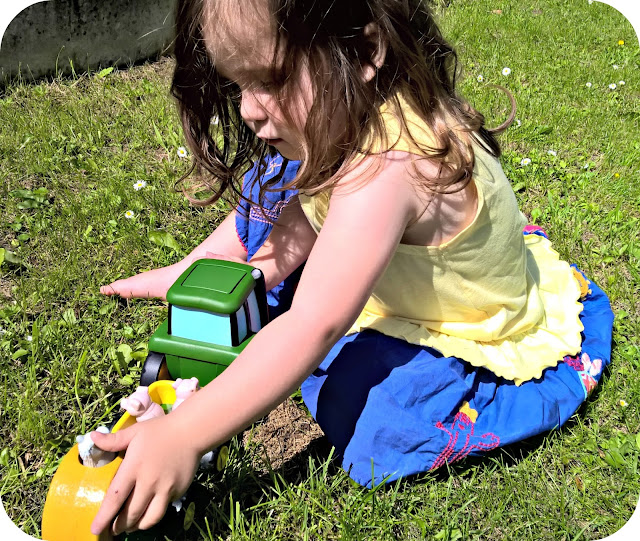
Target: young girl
[[425, 326]]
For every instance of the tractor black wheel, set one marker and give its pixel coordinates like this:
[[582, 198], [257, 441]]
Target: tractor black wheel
[[154, 369]]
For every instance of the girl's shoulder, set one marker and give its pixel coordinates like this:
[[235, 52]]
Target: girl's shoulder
[[387, 176]]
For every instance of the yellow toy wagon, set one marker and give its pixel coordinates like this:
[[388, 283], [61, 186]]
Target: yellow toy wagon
[[77, 490]]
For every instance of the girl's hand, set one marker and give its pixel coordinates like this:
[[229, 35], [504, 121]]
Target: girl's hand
[[158, 467]]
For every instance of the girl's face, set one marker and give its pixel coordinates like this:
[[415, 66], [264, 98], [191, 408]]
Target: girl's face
[[243, 51]]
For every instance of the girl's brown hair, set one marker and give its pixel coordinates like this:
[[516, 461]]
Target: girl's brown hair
[[329, 36]]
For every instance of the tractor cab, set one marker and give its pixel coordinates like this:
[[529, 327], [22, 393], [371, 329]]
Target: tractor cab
[[215, 309]]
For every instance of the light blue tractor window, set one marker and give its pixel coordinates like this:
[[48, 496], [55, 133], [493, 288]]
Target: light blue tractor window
[[199, 325]]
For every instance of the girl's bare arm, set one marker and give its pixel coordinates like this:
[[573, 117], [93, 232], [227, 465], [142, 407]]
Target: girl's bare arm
[[287, 247]]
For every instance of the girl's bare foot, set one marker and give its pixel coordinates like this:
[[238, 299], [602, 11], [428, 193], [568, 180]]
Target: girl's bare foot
[[146, 285]]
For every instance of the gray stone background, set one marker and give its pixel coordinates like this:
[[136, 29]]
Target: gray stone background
[[47, 37]]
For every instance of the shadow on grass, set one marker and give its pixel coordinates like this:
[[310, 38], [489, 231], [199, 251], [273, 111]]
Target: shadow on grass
[[217, 498]]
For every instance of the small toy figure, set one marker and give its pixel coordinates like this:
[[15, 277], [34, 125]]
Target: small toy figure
[[208, 460], [177, 505], [90, 454], [140, 405], [184, 389]]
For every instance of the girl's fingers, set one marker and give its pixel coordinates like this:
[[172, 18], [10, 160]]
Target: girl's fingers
[[154, 513], [133, 510], [114, 499], [117, 441], [123, 482]]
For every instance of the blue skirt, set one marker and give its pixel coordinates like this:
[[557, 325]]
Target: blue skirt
[[393, 409]]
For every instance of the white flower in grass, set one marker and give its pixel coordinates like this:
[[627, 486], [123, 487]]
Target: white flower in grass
[[506, 71], [182, 152], [480, 78], [129, 214], [586, 166], [518, 123], [139, 184], [613, 86], [623, 403], [588, 85], [621, 83], [525, 161], [29, 338], [552, 153], [616, 67]]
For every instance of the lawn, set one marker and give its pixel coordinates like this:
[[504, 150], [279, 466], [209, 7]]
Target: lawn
[[71, 150]]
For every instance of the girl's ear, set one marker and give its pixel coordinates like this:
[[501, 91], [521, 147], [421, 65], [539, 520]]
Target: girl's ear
[[378, 48]]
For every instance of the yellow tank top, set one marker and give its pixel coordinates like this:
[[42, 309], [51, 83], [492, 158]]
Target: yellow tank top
[[491, 295]]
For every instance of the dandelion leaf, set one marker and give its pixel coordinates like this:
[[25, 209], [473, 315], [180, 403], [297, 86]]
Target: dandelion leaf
[[162, 238]]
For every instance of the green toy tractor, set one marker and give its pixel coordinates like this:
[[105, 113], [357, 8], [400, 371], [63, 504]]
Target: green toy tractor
[[215, 309]]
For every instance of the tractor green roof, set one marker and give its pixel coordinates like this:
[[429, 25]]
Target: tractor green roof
[[213, 285]]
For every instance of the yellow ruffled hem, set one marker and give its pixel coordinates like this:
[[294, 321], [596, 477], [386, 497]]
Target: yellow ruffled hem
[[519, 357]]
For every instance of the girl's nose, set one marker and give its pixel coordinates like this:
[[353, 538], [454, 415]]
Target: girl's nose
[[251, 108]]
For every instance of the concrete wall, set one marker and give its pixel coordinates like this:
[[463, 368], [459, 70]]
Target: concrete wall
[[92, 34]]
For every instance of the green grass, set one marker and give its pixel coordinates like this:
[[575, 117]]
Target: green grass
[[70, 151]]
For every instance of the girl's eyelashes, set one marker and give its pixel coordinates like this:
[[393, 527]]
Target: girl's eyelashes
[[258, 82], [264, 81], [268, 86], [235, 89], [261, 86]]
